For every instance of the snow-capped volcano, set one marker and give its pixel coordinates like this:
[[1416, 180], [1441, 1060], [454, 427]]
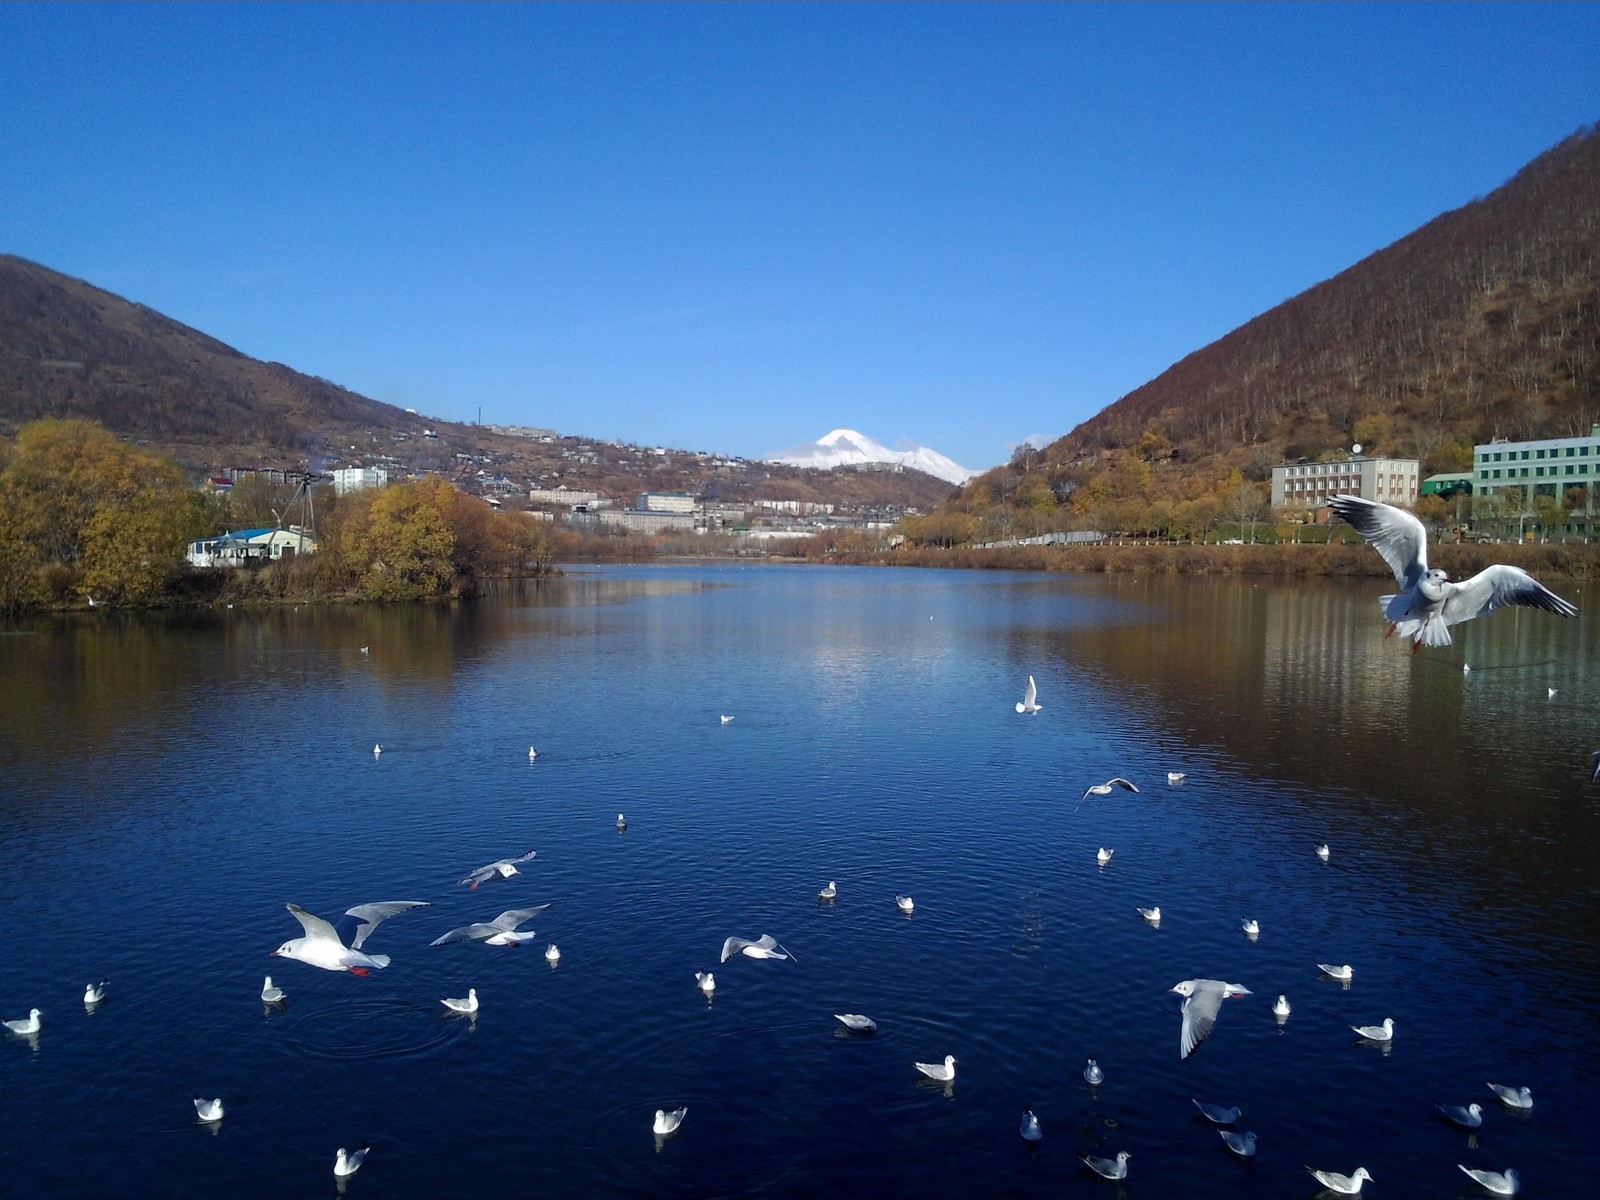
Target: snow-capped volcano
[[846, 447]]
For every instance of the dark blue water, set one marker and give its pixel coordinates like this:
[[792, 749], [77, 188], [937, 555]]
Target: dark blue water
[[168, 783]]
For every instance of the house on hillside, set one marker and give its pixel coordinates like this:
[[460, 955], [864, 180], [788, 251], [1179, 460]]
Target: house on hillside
[[250, 547]]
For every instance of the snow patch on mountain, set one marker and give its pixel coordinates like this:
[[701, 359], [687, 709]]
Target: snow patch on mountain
[[846, 447]]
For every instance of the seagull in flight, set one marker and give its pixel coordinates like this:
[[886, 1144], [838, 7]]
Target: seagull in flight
[[1104, 789], [505, 868], [1428, 603], [765, 946], [502, 931], [337, 947], [1030, 698], [1202, 1001]]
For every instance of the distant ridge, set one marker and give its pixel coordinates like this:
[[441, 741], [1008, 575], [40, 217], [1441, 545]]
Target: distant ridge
[[846, 447]]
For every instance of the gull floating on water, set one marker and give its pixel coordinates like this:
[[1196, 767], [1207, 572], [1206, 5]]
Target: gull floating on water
[[95, 993], [1176, 777], [942, 1072], [377, 749], [1105, 789], [727, 720], [1108, 1168], [1501, 1183], [1242, 1144], [25, 1026], [1250, 926], [1377, 1033], [502, 931], [705, 981], [1202, 1002], [1322, 852], [345, 1165], [828, 893], [1104, 856], [503, 868], [668, 1122], [1030, 698], [469, 1005], [1344, 972], [904, 904], [1428, 603], [1030, 1126], [551, 954], [857, 1022], [1550, 693], [532, 754], [1513, 1097], [1153, 915], [1469, 1117], [1216, 1114], [1345, 1185], [1093, 1075], [208, 1110], [270, 993], [364, 649], [622, 823], [1280, 1007], [337, 947], [765, 946]]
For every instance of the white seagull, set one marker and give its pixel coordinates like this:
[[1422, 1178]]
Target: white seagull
[[1093, 1075], [1030, 1126], [1108, 1168], [1322, 852], [270, 993], [943, 1072], [1377, 1033], [1202, 1001], [208, 1110], [1176, 777], [668, 1122], [337, 947], [828, 893], [502, 931], [377, 749], [905, 904], [727, 720], [1153, 915], [1242, 1144], [1428, 603], [1251, 927], [705, 981], [1513, 1097], [25, 1026], [1104, 789], [765, 946], [1501, 1183], [504, 868], [345, 1165], [551, 954], [532, 754], [95, 993], [1030, 698], [1345, 1185], [1469, 1117], [1104, 856], [1216, 1114], [1343, 972], [856, 1023], [1280, 1006], [622, 823], [468, 1006]]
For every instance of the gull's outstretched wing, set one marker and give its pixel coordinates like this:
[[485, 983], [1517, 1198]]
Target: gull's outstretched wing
[[1393, 532], [358, 923], [467, 933], [314, 925], [513, 917], [1199, 1015], [733, 946], [1495, 587], [1031, 696]]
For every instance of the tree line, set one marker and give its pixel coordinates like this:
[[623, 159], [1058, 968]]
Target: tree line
[[84, 515]]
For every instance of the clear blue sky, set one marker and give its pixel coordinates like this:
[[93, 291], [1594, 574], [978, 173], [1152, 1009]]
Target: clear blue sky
[[736, 227]]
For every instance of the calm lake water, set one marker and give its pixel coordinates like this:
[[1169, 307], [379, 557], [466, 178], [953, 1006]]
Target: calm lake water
[[168, 782]]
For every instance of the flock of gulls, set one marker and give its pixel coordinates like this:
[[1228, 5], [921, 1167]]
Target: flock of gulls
[[1422, 610]]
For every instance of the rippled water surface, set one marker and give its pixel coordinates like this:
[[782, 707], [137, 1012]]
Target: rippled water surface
[[168, 782]]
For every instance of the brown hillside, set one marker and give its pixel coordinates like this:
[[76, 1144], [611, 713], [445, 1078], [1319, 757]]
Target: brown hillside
[[1484, 323]]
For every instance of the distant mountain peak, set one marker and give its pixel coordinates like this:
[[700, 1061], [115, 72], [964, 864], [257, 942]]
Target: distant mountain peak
[[846, 447]]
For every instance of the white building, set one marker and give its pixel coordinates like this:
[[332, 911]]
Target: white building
[[1308, 485], [668, 502], [355, 479], [635, 521], [250, 546], [1543, 468], [562, 495]]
